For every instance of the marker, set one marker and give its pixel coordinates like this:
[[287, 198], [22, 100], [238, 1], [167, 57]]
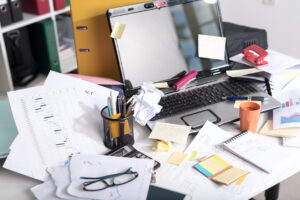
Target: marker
[[234, 98]]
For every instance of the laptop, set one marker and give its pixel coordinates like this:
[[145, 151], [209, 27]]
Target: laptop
[[160, 40]]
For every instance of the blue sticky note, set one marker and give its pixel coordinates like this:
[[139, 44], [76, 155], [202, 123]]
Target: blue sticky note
[[202, 170]]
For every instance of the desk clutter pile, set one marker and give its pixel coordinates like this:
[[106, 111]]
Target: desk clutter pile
[[61, 140]]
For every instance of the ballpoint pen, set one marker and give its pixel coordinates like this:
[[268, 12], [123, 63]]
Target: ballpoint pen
[[253, 98]]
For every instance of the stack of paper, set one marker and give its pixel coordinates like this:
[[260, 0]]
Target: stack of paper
[[65, 181], [55, 120]]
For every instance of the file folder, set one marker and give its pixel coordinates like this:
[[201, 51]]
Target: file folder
[[8, 129], [59, 4], [44, 46], [5, 16], [15, 10], [67, 2], [37, 7], [94, 47], [19, 52]]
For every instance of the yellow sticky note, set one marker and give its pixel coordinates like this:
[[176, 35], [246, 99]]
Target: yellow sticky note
[[161, 146], [177, 158], [219, 162], [161, 85], [241, 180], [170, 132], [238, 103], [118, 30], [229, 176], [207, 167]]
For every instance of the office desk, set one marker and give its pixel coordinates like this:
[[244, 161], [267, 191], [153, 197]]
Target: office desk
[[15, 186]]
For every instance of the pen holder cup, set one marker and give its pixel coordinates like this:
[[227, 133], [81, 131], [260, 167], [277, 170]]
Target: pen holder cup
[[249, 116], [118, 131]]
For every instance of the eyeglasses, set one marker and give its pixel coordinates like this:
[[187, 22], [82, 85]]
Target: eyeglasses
[[101, 183]]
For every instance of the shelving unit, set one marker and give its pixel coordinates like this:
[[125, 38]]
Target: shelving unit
[[6, 83]]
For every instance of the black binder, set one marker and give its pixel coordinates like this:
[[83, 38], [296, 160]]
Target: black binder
[[5, 16], [15, 10], [22, 64]]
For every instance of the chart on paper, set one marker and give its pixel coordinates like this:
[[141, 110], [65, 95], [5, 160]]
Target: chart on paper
[[288, 115]]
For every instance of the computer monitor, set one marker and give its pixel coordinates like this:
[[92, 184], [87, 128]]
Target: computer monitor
[[160, 42]]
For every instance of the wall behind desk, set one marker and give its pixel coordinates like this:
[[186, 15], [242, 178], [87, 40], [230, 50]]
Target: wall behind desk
[[281, 21], [101, 60]]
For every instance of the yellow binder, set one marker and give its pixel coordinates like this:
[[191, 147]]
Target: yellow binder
[[94, 47]]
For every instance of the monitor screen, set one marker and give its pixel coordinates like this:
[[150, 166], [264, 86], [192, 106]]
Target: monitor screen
[[158, 43]]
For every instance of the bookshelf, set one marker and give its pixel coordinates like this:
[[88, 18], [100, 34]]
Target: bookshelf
[[6, 83]]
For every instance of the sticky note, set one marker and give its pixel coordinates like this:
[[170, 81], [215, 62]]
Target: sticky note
[[118, 30], [230, 175], [238, 103], [114, 126], [161, 85], [219, 162], [193, 156], [202, 170], [211, 47], [177, 158], [213, 165], [241, 180], [207, 167], [161, 146], [170, 132]]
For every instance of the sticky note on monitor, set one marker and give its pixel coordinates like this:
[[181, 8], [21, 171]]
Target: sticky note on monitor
[[211, 47], [118, 30]]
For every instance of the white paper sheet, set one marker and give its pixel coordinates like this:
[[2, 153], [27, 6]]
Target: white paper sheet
[[291, 142], [288, 115], [241, 72], [211, 47], [188, 180], [61, 178], [98, 165], [277, 62], [45, 191]]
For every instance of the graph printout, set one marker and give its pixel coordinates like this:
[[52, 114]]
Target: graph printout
[[288, 115]]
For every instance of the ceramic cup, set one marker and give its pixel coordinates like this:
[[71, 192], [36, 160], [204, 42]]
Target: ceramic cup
[[249, 116]]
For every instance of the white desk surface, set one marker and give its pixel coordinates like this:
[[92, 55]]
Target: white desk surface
[[15, 186]]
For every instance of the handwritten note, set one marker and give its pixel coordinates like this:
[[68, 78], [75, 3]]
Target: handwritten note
[[170, 132], [211, 47]]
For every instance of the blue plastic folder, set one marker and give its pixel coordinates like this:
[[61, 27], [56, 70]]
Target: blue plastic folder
[[8, 129]]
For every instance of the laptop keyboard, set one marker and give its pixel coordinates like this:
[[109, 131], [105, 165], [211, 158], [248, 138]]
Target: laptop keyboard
[[200, 97]]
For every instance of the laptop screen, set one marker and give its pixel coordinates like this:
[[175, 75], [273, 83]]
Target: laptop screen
[[158, 43]]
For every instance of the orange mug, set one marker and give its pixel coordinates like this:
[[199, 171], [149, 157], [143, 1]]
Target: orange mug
[[249, 116]]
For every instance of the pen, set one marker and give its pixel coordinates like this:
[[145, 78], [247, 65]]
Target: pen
[[109, 107], [122, 122], [234, 98]]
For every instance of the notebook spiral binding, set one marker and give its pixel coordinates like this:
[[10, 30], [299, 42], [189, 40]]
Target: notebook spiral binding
[[235, 137]]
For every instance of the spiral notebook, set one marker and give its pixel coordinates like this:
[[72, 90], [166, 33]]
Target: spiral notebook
[[256, 150]]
